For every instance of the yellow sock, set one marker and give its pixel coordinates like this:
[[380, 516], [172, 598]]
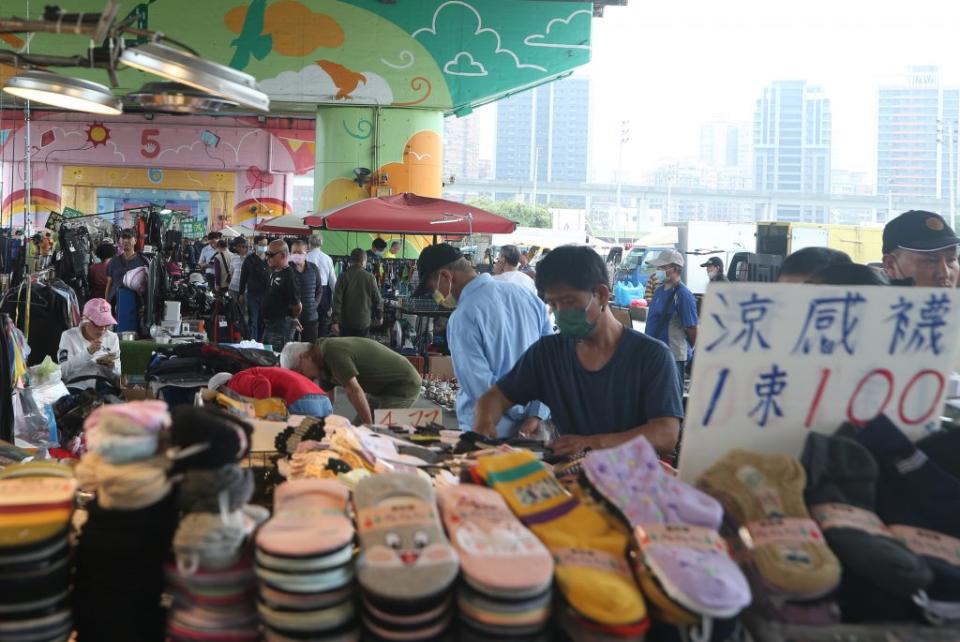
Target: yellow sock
[[589, 551]]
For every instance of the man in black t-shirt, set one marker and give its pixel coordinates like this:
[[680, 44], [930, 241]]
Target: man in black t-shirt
[[281, 303], [605, 384]]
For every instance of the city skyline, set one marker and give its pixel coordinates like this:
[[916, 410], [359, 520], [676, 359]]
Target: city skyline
[[671, 67]]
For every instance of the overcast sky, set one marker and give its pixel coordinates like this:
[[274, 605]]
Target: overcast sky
[[669, 67]]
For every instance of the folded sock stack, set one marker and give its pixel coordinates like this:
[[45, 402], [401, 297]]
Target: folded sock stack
[[406, 566], [35, 511], [682, 562], [788, 559], [841, 493], [920, 504], [507, 571], [600, 596], [129, 526], [212, 582], [304, 564]]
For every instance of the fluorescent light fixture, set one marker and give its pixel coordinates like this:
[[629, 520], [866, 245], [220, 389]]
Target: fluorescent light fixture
[[73, 94], [180, 66], [175, 98]]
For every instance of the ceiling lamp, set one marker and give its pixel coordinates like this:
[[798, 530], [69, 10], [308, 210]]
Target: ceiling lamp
[[174, 98], [63, 92], [180, 66]]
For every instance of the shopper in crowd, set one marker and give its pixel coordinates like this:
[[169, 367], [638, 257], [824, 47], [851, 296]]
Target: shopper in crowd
[[526, 268], [377, 249], [328, 281], [672, 317], [604, 383], [309, 282], [128, 260], [281, 303], [90, 352], [921, 246], [492, 325], [206, 256], [254, 278], [714, 267], [507, 268], [372, 375], [188, 253], [238, 256], [394, 251], [804, 263], [221, 267], [301, 395], [357, 303], [850, 274], [97, 274]]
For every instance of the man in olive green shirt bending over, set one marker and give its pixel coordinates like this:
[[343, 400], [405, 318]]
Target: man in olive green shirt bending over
[[372, 375]]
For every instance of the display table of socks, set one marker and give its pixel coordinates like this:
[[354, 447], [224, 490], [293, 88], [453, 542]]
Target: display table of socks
[[373, 535]]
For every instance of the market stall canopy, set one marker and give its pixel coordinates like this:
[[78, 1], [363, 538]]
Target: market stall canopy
[[286, 224], [410, 214]]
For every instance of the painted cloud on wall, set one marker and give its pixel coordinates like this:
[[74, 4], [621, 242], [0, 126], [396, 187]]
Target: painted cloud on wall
[[312, 81], [559, 33]]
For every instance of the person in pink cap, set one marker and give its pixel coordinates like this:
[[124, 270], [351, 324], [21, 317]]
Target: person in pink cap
[[90, 352]]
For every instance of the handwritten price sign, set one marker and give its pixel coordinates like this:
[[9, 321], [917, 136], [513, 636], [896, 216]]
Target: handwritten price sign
[[775, 361], [408, 417]]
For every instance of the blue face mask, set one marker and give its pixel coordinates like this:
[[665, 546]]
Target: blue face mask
[[661, 275]]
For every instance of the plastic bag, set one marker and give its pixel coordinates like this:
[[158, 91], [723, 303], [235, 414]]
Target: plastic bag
[[34, 426], [624, 294], [45, 372]]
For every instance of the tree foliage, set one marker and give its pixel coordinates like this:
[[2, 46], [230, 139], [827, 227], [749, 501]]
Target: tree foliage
[[524, 214]]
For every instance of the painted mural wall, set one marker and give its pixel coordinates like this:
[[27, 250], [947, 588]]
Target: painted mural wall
[[235, 170], [445, 55]]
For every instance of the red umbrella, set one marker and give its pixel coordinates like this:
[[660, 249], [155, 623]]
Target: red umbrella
[[410, 214], [285, 224]]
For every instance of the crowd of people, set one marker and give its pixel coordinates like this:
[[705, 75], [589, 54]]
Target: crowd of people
[[597, 382]]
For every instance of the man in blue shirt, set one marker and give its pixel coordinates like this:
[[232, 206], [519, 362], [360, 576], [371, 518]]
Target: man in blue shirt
[[493, 324], [672, 316], [605, 384]]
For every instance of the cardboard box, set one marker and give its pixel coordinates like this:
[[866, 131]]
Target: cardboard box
[[137, 393], [441, 366], [418, 363]]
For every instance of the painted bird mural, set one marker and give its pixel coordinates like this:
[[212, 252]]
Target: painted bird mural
[[252, 40], [346, 81]]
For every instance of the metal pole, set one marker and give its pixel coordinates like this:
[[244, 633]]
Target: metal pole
[[953, 183]]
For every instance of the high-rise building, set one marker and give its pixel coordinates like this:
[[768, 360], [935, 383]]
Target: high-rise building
[[546, 128], [917, 135], [461, 147], [791, 143], [725, 144]]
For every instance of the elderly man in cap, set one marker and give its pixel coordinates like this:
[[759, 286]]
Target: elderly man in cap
[[921, 246], [492, 325], [714, 268], [672, 317]]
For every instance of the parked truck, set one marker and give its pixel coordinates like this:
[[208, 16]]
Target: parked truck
[[863, 243], [697, 241]]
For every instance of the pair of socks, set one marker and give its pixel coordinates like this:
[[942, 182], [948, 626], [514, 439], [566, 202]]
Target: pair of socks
[[588, 549], [841, 488], [918, 500], [406, 566], [676, 529], [763, 494]]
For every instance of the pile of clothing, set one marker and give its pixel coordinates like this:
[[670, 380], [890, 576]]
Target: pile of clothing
[[212, 581], [36, 504], [128, 526], [304, 561]]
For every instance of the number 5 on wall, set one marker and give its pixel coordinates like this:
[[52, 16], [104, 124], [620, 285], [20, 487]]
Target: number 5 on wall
[[150, 148]]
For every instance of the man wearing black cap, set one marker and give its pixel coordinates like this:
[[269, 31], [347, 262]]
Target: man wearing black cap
[[714, 269], [921, 246], [491, 327]]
